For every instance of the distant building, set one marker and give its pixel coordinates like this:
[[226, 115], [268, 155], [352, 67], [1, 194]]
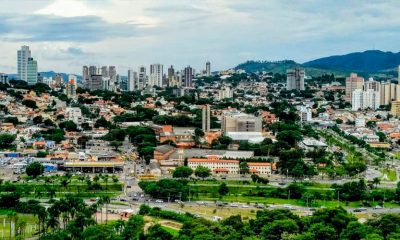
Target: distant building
[[295, 79], [22, 63], [95, 82], [142, 78], [239, 122], [225, 92], [156, 74], [353, 82], [85, 74], [32, 72], [70, 88], [132, 83], [58, 80], [74, 114], [188, 76], [3, 78], [206, 118], [208, 69]]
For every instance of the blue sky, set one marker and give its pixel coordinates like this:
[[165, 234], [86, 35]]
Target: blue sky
[[66, 34]]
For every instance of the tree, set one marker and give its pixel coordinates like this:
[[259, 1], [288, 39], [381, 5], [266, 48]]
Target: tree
[[116, 144], [34, 169], [37, 119], [134, 227], [29, 103], [198, 132], [102, 122], [156, 232], [244, 168], [41, 154], [275, 230], [182, 172], [48, 123], [202, 172], [376, 181], [6, 140], [223, 189], [69, 125]]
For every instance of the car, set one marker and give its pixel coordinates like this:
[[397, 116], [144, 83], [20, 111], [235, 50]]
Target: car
[[216, 218], [219, 204], [233, 205], [245, 206], [378, 207], [201, 203], [159, 201], [312, 209], [360, 210]]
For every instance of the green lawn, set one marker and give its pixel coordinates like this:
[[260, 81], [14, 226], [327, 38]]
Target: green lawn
[[390, 173], [174, 232]]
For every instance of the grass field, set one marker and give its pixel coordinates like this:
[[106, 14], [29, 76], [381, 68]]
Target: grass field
[[390, 174]]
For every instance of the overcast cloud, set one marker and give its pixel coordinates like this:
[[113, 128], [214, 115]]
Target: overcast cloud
[[66, 34]]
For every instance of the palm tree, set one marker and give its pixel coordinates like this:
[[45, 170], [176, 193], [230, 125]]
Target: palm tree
[[376, 181], [105, 179], [100, 205], [20, 226], [64, 184], [119, 226], [106, 200]]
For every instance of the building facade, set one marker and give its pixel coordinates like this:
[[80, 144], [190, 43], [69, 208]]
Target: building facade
[[295, 79]]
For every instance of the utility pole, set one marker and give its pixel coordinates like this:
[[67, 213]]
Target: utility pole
[[338, 197], [289, 195]]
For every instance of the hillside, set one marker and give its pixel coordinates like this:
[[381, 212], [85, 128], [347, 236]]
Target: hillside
[[371, 61]]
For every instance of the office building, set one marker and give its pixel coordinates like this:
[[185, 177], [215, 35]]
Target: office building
[[112, 73], [156, 75], [395, 110], [353, 82], [187, 76], [22, 63], [92, 71], [240, 122], [295, 79], [32, 72], [208, 69], [58, 80], [70, 88], [368, 99], [206, 118]]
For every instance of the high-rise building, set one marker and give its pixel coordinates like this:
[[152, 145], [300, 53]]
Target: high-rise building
[[93, 70], [206, 118], [70, 88], [208, 69], [171, 74], [361, 100], [156, 74], [132, 83], [104, 71], [85, 74], [295, 79], [32, 72], [188, 76], [22, 63], [372, 84], [142, 78], [3, 78], [385, 93], [353, 82], [112, 72], [95, 82]]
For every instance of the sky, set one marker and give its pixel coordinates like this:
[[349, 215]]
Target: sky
[[64, 35]]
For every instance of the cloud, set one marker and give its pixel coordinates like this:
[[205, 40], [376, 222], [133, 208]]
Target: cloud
[[32, 28]]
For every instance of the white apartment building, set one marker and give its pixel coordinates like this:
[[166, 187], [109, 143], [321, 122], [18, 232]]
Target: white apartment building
[[23, 55], [74, 114], [305, 114], [156, 75], [225, 92], [365, 99]]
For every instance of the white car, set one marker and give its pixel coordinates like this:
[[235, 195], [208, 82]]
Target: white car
[[378, 207], [159, 201], [233, 205], [245, 206]]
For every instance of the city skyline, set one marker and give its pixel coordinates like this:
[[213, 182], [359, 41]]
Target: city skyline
[[117, 32]]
